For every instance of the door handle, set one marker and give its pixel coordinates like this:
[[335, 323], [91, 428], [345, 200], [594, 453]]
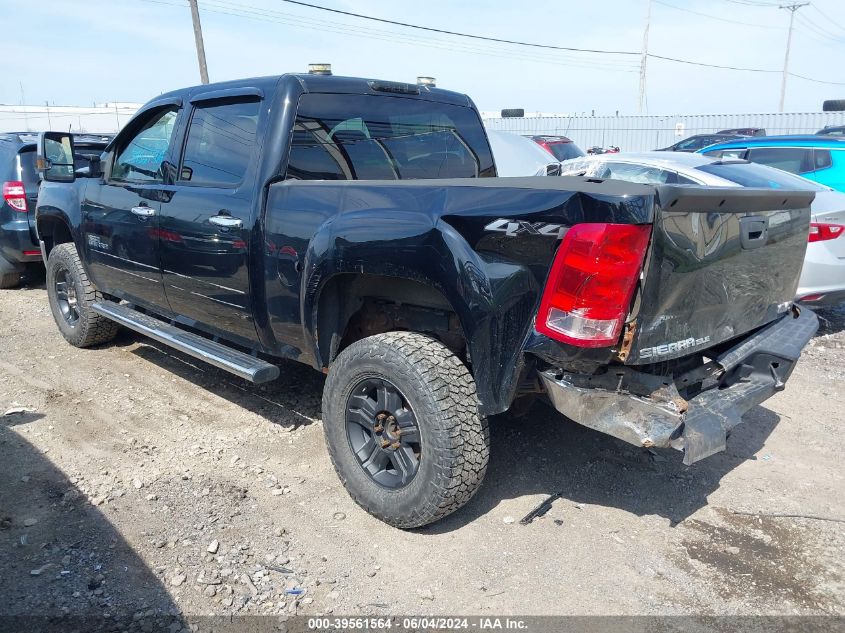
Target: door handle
[[226, 221], [754, 231], [143, 211]]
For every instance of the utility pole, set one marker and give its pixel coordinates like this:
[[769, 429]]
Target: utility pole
[[195, 16], [644, 57], [792, 9]]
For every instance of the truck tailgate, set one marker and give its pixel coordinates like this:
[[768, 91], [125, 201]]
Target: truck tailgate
[[723, 261]]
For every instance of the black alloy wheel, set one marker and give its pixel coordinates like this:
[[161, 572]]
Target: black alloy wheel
[[66, 298], [383, 433]]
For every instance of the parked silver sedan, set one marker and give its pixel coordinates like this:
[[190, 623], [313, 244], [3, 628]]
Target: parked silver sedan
[[517, 155], [823, 276]]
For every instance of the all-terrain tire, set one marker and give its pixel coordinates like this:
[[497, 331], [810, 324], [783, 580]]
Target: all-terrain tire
[[454, 437], [89, 328]]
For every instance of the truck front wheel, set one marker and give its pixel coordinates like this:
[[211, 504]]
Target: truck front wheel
[[402, 426], [71, 294]]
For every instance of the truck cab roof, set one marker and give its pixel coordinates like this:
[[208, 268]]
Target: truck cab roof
[[312, 83]]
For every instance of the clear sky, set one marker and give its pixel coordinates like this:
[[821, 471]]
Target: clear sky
[[76, 52]]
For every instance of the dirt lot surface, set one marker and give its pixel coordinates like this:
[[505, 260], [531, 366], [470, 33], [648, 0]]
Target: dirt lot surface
[[137, 481]]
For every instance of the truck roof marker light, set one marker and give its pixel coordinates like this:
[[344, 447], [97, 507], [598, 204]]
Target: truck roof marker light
[[15, 195], [592, 280], [319, 69]]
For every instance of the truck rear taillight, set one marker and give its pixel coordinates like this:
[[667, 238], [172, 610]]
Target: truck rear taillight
[[593, 277], [820, 232], [15, 195]]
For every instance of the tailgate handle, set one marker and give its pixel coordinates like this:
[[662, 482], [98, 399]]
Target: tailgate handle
[[753, 231]]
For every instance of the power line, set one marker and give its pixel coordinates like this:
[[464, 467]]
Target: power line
[[245, 11], [715, 17], [752, 3], [819, 29], [706, 65], [231, 8], [815, 32], [477, 37], [827, 17]]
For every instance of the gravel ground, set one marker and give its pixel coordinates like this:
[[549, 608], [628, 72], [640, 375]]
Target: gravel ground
[[135, 481]]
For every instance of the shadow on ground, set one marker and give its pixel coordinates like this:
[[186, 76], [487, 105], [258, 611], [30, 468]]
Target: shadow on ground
[[544, 453], [64, 565], [541, 453], [831, 320], [291, 401]]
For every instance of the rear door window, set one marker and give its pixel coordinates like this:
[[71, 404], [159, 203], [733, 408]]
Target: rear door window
[[733, 152], [796, 160], [220, 144], [821, 159], [362, 137]]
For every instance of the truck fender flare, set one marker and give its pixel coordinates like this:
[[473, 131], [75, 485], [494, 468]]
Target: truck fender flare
[[491, 298]]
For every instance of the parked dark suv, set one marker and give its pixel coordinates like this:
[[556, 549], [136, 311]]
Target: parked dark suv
[[18, 243], [19, 248]]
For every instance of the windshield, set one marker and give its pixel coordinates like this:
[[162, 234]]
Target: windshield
[[754, 175], [565, 151]]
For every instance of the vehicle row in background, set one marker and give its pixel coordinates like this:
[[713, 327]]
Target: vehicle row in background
[[517, 155], [817, 158], [823, 275]]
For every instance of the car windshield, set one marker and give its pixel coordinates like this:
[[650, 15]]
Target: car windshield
[[754, 175], [565, 151]]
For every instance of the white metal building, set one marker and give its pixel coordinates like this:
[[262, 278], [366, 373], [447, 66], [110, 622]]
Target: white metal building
[[642, 133]]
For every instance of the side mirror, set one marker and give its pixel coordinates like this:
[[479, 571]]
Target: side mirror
[[55, 157]]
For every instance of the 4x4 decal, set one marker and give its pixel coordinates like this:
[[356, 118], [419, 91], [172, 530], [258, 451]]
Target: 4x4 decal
[[512, 228]]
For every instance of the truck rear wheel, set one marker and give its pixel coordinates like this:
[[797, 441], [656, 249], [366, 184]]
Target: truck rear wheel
[[402, 426], [71, 294]]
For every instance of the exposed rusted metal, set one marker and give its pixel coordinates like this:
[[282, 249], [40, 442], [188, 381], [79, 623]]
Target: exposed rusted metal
[[627, 340]]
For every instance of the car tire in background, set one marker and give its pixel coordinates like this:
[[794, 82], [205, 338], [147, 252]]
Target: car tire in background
[[833, 105], [10, 280], [10, 276], [402, 426], [70, 294]]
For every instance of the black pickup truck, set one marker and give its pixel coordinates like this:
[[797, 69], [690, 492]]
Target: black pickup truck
[[358, 226]]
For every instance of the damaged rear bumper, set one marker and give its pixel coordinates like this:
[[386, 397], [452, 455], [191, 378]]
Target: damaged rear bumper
[[743, 377]]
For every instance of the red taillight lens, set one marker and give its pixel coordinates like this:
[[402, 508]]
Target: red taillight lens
[[15, 195], [820, 232], [591, 283]]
